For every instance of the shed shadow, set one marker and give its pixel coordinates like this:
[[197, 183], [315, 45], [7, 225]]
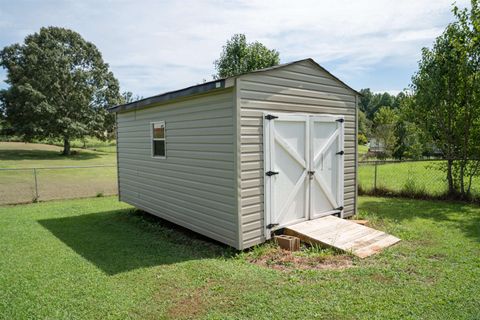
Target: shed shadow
[[124, 240]]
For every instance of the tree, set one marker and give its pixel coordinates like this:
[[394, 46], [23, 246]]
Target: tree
[[370, 102], [239, 57], [411, 142], [60, 87], [384, 129], [128, 97], [447, 97]]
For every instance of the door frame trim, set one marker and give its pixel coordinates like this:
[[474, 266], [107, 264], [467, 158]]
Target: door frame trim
[[268, 142]]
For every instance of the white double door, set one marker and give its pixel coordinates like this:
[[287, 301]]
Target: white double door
[[303, 168]]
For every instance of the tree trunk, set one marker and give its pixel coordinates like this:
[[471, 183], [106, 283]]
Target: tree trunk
[[461, 178], [66, 147], [451, 188]]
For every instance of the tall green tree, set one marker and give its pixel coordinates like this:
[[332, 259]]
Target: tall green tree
[[447, 97], [384, 129], [239, 57], [60, 87], [370, 102]]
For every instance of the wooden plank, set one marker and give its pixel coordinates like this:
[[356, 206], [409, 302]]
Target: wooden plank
[[342, 234]]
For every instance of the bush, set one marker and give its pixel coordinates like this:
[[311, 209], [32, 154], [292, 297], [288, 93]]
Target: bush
[[362, 139]]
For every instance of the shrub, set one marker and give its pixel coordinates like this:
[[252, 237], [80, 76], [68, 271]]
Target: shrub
[[362, 139]]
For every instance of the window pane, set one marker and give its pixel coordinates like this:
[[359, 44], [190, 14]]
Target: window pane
[[159, 148], [158, 130]]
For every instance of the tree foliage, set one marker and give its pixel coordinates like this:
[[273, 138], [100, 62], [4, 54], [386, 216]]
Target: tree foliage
[[384, 129], [371, 102], [60, 87], [447, 97], [239, 57]]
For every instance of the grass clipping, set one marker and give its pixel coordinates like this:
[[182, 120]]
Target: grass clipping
[[269, 255]]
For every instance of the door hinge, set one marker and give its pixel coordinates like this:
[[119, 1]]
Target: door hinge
[[271, 173], [270, 117], [341, 120], [272, 225], [339, 208], [340, 153]]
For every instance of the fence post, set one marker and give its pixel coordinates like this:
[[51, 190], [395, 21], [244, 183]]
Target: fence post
[[375, 178], [36, 184]]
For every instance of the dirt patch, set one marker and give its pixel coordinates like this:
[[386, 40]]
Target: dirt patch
[[190, 306], [286, 260]]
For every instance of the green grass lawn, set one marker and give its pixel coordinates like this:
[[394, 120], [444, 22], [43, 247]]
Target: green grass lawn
[[362, 150], [421, 176], [19, 186], [29, 155], [99, 259]]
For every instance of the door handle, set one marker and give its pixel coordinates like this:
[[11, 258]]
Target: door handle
[[311, 174]]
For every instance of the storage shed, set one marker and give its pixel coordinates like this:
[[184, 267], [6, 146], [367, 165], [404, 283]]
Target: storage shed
[[235, 159]]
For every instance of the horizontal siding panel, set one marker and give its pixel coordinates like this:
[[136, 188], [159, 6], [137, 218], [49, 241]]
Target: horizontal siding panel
[[194, 179], [198, 203], [317, 81], [145, 147], [246, 157], [182, 210], [185, 184], [283, 88], [206, 123], [221, 111], [285, 106], [197, 104], [252, 165], [250, 95], [250, 183], [189, 162], [252, 226], [248, 192], [292, 83], [246, 202], [184, 220], [253, 212], [254, 147], [194, 185]]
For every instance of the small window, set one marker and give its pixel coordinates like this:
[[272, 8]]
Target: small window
[[158, 139]]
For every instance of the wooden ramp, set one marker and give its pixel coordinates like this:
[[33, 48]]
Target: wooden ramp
[[342, 234]]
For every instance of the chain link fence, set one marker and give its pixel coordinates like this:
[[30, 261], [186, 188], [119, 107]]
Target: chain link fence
[[410, 178], [23, 185]]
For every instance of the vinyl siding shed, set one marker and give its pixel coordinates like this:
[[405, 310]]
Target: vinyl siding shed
[[211, 177]]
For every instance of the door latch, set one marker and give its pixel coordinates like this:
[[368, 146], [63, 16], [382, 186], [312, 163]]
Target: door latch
[[341, 153], [271, 225], [311, 174], [270, 117], [271, 173]]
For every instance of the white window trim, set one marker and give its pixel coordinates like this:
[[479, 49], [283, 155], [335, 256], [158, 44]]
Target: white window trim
[[158, 139]]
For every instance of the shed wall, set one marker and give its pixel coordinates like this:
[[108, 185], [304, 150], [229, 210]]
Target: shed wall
[[301, 88], [194, 185]]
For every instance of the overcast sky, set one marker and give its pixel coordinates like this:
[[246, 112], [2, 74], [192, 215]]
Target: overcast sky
[[156, 46]]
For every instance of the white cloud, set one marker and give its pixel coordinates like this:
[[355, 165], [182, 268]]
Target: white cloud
[[154, 46]]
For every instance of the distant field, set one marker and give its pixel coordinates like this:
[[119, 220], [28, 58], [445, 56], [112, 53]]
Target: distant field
[[29, 155], [421, 175], [18, 186]]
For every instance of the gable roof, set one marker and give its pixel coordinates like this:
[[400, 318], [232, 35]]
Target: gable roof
[[211, 86]]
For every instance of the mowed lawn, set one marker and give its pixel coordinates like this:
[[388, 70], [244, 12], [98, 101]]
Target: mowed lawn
[[424, 176], [19, 185], [99, 259]]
